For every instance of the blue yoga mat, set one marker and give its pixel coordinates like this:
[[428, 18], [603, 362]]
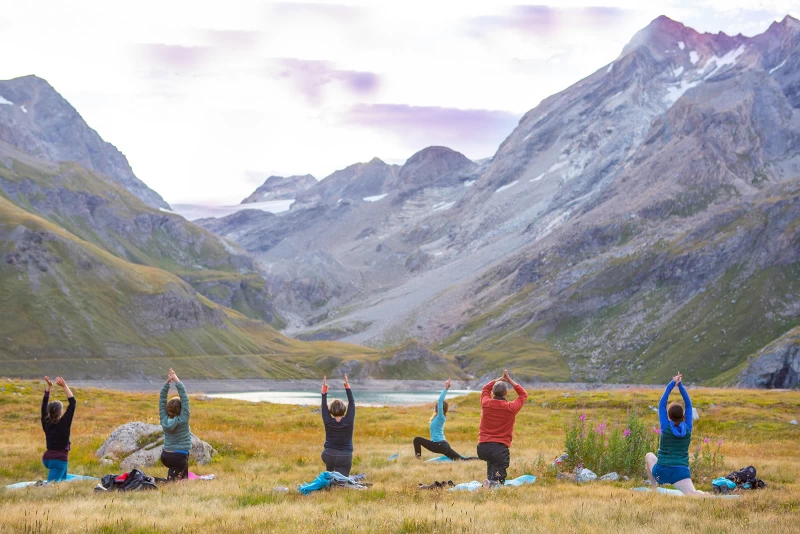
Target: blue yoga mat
[[439, 459]]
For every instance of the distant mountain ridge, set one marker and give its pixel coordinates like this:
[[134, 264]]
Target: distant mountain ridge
[[39, 121], [596, 241], [280, 188]]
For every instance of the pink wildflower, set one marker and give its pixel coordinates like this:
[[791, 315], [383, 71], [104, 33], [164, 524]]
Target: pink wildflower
[[719, 443], [655, 430], [706, 440], [627, 432], [583, 417]]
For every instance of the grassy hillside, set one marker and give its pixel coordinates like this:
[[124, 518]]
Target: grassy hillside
[[105, 214], [71, 305], [262, 446]]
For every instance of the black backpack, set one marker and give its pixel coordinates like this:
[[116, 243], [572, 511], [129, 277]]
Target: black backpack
[[746, 478], [135, 481]]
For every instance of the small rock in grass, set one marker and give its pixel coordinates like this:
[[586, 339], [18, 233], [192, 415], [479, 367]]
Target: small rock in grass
[[793, 422], [610, 477], [695, 414], [585, 475]]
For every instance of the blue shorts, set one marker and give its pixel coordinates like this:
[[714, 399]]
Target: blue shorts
[[670, 475]]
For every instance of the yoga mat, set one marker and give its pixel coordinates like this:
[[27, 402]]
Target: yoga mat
[[678, 493], [70, 478], [475, 485]]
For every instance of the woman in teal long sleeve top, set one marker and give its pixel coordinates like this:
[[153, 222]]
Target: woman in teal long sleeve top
[[174, 415], [437, 444], [671, 466]]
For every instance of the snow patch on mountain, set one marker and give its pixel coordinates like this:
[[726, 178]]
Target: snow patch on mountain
[[676, 91], [773, 69], [677, 72], [5, 102], [374, 198], [507, 186], [728, 59], [681, 45], [693, 57], [441, 206]]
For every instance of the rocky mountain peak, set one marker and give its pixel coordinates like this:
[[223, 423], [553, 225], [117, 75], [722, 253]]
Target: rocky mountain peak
[[36, 119], [435, 165], [281, 188]]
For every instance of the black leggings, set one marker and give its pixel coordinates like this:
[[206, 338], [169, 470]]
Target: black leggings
[[339, 461], [439, 447], [178, 464]]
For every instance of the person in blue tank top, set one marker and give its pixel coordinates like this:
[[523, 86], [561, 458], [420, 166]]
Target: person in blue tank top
[[671, 466], [437, 444]]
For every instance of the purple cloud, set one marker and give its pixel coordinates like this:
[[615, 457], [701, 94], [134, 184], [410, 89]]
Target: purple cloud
[[545, 21], [475, 131], [175, 57], [311, 78]]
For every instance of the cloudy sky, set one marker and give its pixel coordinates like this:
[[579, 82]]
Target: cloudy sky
[[207, 99]]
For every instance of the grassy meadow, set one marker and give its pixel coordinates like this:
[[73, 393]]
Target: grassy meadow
[[262, 446]]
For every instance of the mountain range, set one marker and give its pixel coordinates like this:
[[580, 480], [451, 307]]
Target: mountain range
[[641, 222]]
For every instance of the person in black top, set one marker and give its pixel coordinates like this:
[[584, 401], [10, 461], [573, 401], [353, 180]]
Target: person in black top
[[338, 448], [56, 423]]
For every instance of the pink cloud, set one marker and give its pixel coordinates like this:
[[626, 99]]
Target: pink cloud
[[477, 131], [175, 57], [312, 77]]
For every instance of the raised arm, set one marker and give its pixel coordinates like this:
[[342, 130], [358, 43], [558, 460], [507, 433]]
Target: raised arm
[[326, 415], [687, 403], [351, 405], [522, 395], [66, 419], [663, 418], [440, 402], [46, 398], [183, 417], [162, 407], [486, 392]]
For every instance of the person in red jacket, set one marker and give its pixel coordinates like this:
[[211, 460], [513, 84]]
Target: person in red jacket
[[497, 426]]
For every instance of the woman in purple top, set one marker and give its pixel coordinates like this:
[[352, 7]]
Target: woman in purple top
[[57, 423]]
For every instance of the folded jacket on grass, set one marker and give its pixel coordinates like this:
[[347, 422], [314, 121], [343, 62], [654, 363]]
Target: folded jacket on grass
[[328, 478], [70, 478]]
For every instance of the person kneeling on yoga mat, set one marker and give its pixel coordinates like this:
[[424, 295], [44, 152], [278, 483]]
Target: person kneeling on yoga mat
[[497, 427], [177, 434], [437, 443], [338, 449], [671, 466], [57, 424]]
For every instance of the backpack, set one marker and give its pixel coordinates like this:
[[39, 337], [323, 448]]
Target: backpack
[[744, 478], [135, 480]]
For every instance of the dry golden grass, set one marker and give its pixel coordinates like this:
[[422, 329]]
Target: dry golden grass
[[262, 446]]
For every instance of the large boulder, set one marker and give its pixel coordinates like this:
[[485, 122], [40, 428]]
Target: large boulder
[[139, 445]]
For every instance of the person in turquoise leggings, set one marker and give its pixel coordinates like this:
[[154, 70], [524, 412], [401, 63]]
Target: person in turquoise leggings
[[57, 424]]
